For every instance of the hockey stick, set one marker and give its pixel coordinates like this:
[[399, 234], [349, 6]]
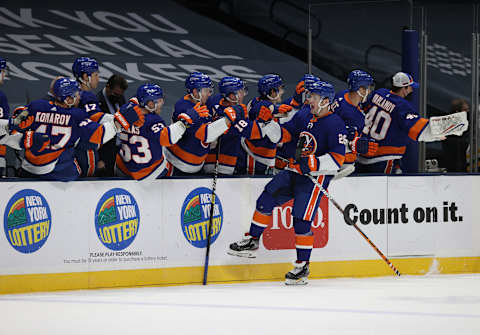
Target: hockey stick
[[351, 223], [298, 154], [212, 205]]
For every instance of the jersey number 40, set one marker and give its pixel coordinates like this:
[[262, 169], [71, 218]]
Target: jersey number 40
[[377, 122]]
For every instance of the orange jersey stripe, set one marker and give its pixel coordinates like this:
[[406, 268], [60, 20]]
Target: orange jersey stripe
[[222, 159], [211, 158], [140, 173], [186, 156], [417, 128], [42, 159], [337, 157], [3, 150], [286, 136], [304, 240], [97, 136], [97, 116], [165, 137], [261, 151], [256, 134], [389, 151], [350, 157], [201, 133]]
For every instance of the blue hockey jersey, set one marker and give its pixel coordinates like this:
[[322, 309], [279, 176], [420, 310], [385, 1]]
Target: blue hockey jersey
[[189, 154], [65, 127], [324, 135], [141, 150], [230, 142], [391, 120]]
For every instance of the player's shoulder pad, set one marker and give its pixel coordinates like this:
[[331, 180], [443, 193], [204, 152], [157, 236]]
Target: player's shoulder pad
[[152, 119], [77, 113], [182, 105], [87, 97], [335, 122], [213, 100], [40, 105]]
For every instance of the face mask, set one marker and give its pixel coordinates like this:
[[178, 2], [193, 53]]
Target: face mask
[[114, 99]]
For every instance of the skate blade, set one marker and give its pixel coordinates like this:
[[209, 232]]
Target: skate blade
[[246, 254], [301, 281]]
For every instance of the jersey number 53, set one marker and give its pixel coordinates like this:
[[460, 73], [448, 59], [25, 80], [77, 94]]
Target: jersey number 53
[[140, 143]]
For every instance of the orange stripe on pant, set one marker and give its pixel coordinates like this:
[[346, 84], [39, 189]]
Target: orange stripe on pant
[[388, 168], [251, 165], [313, 200], [91, 163], [261, 220], [304, 241]]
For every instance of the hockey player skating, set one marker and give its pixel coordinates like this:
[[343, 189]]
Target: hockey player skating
[[323, 136], [286, 151], [391, 120]]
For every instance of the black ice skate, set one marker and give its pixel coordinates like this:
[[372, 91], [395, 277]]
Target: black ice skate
[[244, 248], [299, 274]]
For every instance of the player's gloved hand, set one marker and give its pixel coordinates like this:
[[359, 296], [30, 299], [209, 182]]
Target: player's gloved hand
[[364, 145], [298, 96], [193, 115], [351, 133], [20, 120], [201, 110], [189, 117], [300, 88], [284, 109], [235, 113], [265, 114], [35, 141], [306, 165], [128, 115]]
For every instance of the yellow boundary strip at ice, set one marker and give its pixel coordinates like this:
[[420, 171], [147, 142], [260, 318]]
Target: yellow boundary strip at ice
[[230, 273]]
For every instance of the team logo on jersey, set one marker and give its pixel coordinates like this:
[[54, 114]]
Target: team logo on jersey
[[27, 221], [310, 143], [279, 234], [195, 217], [117, 219]]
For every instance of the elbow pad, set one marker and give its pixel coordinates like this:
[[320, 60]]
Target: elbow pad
[[273, 131], [215, 129], [110, 131], [177, 130]]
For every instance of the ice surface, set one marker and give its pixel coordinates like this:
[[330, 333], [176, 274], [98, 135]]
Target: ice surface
[[433, 304]]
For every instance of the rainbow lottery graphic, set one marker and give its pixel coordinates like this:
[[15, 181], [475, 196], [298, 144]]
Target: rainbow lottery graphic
[[195, 217], [27, 221], [117, 219]]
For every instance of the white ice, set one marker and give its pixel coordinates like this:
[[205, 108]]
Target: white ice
[[435, 304]]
